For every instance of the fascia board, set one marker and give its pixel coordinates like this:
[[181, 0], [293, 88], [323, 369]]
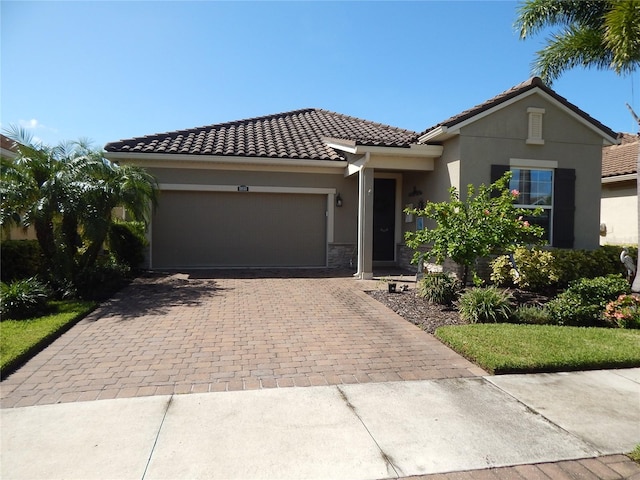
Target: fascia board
[[620, 178], [173, 160], [430, 151]]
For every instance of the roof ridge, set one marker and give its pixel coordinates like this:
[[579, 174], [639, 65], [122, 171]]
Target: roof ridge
[[370, 122]]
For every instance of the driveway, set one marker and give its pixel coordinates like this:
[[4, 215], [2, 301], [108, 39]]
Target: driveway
[[221, 331]]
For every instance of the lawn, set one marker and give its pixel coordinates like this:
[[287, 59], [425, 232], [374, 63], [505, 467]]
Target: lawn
[[19, 339], [509, 348]]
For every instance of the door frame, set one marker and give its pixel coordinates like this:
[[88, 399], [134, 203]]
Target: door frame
[[397, 235]]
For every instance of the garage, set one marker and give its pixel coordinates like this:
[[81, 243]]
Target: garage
[[239, 229]]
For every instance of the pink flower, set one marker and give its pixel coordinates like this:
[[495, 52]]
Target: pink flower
[[520, 218], [526, 224], [515, 192]]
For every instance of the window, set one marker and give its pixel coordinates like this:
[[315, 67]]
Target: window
[[535, 189]]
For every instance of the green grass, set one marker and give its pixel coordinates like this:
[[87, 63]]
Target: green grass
[[635, 454], [508, 348], [19, 339]]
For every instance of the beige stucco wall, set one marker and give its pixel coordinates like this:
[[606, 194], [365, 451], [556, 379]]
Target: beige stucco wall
[[619, 212], [345, 217], [502, 136]]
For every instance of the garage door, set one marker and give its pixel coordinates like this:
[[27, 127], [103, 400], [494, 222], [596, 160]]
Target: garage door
[[239, 229]]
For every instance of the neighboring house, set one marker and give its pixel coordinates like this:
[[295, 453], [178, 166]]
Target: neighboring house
[[313, 188], [619, 204], [8, 149]]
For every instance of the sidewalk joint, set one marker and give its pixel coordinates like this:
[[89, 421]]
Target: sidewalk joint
[[155, 441]]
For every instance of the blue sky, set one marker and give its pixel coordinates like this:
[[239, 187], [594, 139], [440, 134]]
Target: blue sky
[[118, 69]]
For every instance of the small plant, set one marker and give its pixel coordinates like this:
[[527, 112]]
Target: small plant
[[441, 288], [23, 298], [486, 305], [532, 315], [583, 303], [624, 312]]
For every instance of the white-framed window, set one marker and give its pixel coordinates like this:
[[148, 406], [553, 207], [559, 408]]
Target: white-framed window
[[535, 126], [535, 187]]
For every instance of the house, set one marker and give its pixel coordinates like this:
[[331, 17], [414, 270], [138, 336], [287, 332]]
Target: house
[[314, 188], [619, 204]]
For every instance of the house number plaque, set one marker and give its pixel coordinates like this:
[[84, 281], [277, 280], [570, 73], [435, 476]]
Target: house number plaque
[[243, 188]]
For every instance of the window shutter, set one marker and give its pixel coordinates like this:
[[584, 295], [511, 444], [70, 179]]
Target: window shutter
[[564, 206], [497, 171]]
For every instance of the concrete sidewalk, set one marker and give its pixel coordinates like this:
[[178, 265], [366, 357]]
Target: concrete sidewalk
[[361, 431]]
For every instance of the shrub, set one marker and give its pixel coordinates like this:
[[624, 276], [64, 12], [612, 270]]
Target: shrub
[[532, 315], [485, 305], [624, 312], [535, 269], [101, 280], [127, 243], [441, 288], [547, 270], [23, 298], [584, 301], [20, 259]]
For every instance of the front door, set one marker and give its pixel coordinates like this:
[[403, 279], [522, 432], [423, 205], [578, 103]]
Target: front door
[[384, 219]]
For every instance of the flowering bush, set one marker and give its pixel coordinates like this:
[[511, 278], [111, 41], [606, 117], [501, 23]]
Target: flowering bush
[[486, 222], [624, 311]]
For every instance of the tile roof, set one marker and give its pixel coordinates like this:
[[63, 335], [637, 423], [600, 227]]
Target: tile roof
[[297, 134], [530, 84], [621, 159]]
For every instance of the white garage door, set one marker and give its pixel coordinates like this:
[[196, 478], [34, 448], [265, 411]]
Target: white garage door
[[239, 229]]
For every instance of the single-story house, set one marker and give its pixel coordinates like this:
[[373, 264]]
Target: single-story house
[[619, 204], [315, 188]]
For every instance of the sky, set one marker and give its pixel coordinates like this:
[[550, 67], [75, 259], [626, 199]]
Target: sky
[[110, 70]]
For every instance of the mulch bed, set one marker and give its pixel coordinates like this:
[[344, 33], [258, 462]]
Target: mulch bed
[[429, 316]]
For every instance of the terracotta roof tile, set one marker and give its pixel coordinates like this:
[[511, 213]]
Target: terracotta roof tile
[[621, 159], [297, 134], [514, 92]]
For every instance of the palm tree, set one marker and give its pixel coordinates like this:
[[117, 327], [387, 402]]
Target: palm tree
[[596, 33], [68, 194]]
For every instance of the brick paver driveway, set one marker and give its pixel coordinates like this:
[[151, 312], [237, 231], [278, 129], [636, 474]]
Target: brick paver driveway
[[217, 331]]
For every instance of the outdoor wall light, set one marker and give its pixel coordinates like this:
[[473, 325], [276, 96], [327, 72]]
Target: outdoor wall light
[[338, 200]]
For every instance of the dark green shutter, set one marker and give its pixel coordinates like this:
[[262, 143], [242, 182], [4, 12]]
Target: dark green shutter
[[497, 171], [564, 206]]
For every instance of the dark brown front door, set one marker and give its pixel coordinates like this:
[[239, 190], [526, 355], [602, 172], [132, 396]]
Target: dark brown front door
[[384, 219]]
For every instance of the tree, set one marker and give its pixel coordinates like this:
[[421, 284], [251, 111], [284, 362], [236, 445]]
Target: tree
[[597, 33], [484, 223], [594, 33], [68, 194]]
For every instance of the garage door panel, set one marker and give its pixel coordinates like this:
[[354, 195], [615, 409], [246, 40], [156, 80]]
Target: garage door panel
[[199, 229]]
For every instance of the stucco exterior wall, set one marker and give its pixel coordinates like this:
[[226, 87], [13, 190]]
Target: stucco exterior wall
[[619, 213], [345, 217], [501, 136]]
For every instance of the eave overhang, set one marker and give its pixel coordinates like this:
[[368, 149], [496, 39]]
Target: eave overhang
[[173, 160], [620, 178]]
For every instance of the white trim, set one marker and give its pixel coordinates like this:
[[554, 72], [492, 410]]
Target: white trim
[[219, 159], [535, 110], [187, 187], [528, 163], [620, 178], [414, 150]]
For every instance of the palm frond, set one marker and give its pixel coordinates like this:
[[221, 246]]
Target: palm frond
[[571, 48]]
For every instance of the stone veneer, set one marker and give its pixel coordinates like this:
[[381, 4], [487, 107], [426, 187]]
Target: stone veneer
[[342, 255]]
